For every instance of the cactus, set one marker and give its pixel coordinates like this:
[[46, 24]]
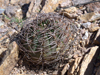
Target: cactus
[[47, 38]]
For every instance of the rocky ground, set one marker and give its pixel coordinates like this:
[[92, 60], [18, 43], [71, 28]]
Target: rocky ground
[[85, 14]]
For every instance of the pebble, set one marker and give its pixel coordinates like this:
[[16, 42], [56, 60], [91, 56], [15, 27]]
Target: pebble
[[1, 23], [86, 25]]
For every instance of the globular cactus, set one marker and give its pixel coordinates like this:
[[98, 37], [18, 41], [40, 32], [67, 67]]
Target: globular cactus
[[47, 38]]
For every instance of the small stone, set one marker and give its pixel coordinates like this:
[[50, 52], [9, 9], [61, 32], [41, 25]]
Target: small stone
[[66, 3], [14, 1], [93, 28], [75, 56], [1, 11], [55, 73], [1, 23], [97, 38], [74, 66], [86, 25], [85, 36], [66, 67], [51, 5], [70, 12]]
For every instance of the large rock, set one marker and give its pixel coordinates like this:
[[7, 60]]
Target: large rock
[[88, 61], [51, 5], [9, 59]]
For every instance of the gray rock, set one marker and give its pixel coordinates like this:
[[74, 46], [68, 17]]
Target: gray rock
[[1, 23], [1, 11], [76, 2], [85, 36], [10, 11], [86, 25]]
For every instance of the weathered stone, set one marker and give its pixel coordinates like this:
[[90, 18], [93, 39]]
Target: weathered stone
[[98, 71], [37, 6], [85, 35], [93, 7], [55, 73], [10, 11], [24, 2], [86, 68], [4, 3], [86, 25], [19, 14], [70, 12], [89, 17], [76, 2], [14, 1], [51, 5], [66, 3], [97, 38], [72, 69], [1, 23], [30, 8], [66, 67], [93, 27], [9, 59], [2, 11]]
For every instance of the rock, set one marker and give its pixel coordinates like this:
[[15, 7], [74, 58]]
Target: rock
[[55, 73], [70, 12], [85, 36], [10, 11], [72, 69], [93, 7], [98, 71], [2, 11], [14, 1], [14, 11], [75, 56], [37, 6], [86, 25], [9, 59], [4, 3], [89, 17], [1, 23], [88, 61], [30, 8], [76, 2], [93, 28], [51, 5], [97, 38], [66, 67], [24, 2], [19, 13], [66, 3]]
